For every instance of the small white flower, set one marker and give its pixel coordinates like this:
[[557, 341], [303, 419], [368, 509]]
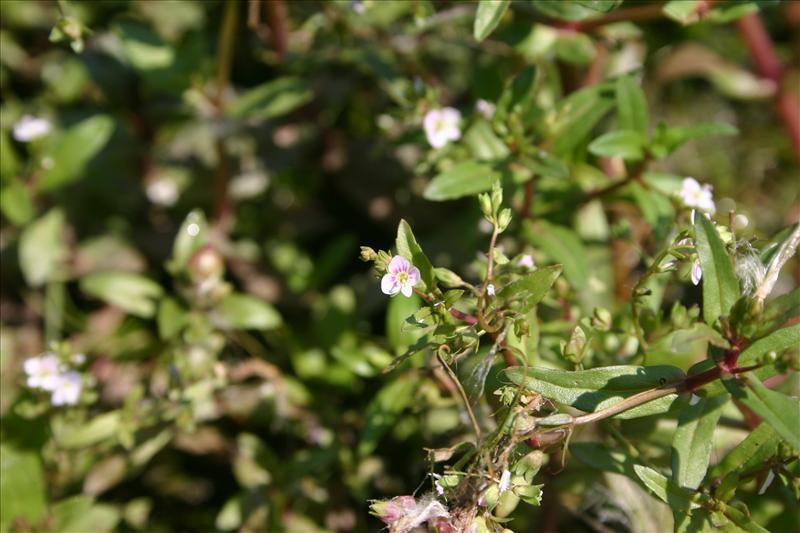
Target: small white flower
[[505, 481], [527, 261], [401, 276], [697, 196], [441, 126], [163, 192], [68, 389], [30, 128], [697, 272], [490, 289], [437, 484], [485, 108], [43, 372], [78, 358]]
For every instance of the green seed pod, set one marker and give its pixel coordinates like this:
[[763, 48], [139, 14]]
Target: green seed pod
[[508, 502]]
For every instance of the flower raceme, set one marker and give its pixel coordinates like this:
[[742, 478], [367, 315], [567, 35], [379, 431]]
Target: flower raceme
[[442, 126], [401, 276]]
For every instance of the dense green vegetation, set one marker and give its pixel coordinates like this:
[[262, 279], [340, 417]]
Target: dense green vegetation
[[338, 266]]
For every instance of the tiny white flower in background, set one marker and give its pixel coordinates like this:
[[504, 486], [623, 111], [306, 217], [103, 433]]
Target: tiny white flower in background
[[697, 196], [163, 192], [740, 221], [441, 126], [505, 481], [527, 261], [485, 108], [30, 128], [68, 389], [438, 485], [401, 276], [490, 289], [78, 358], [43, 372], [697, 272]]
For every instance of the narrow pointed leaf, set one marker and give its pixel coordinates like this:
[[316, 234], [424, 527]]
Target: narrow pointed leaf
[[488, 17], [692, 443], [631, 106], [720, 286]]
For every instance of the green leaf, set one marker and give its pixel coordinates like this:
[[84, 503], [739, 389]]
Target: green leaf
[[383, 411], [464, 179], [778, 312], [22, 488], [192, 235], [575, 117], [242, 311], [575, 47], [398, 310], [563, 246], [272, 99], [16, 202], [9, 163], [748, 457], [602, 6], [631, 106], [566, 9], [532, 288], [777, 341], [627, 144], [777, 409], [693, 440], [600, 388], [41, 249], [97, 429], [133, 293], [488, 17], [408, 247], [143, 47], [664, 489], [80, 513], [171, 318], [720, 285], [682, 11], [666, 140], [483, 142], [69, 154]]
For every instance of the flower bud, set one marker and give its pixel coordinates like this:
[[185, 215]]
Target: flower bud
[[508, 502], [368, 254], [486, 206], [497, 196], [504, 219], [573, 350], [206, 264], [390, 511], [601, 320]]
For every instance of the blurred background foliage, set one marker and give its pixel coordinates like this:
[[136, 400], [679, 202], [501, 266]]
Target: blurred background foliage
[[192, 224]]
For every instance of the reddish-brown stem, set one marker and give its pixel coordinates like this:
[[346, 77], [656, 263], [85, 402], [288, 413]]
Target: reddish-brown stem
[[527, 202], [769, 66], [464, 317], [276, 15]]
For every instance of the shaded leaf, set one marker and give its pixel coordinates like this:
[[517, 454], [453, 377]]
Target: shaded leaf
[[720, 285], [532, 287], [693, 440], [408, 247], [242, 311], [632, 112], [69, 154], [383, 411], [41, 248], [22, 489], [131, 292], [464, 179], [272, 99], [600, 388], [488, 17], [627, 144], [779, 410], [98, 429]]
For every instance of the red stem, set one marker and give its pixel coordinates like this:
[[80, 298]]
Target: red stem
[[769, 66]]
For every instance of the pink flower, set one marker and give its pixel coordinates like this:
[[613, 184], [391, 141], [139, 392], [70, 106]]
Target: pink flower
[[697, 272], [697, 196], [526, 261], [401, 276], [441, 126]]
